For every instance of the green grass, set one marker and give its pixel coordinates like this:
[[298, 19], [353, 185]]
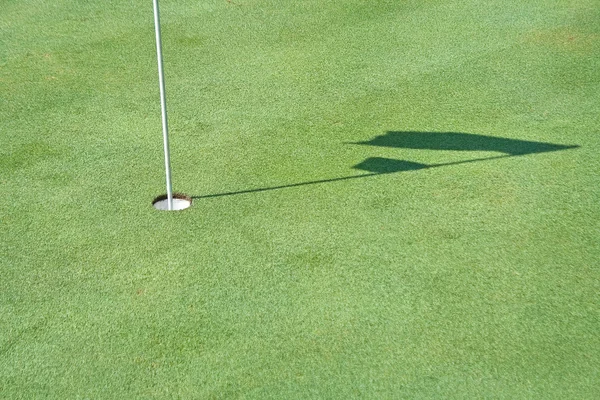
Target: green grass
[[290, 277]]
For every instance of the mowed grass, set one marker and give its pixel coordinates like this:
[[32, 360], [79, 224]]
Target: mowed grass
[[290, 277]]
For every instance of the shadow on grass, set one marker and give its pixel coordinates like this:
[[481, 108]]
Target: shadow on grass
[[461, 142], [425, 141]]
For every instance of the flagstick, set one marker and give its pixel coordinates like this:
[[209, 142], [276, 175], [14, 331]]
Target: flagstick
[[163, 106]]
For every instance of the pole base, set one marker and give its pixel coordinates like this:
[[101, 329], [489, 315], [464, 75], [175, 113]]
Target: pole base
[[180, 202]]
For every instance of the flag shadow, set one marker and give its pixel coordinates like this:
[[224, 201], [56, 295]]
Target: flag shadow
[[461, 142], [453, 141]]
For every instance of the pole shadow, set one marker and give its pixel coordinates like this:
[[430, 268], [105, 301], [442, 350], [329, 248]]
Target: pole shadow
[[450, 141]]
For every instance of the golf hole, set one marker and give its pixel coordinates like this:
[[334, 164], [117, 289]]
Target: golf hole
[[180, 202]]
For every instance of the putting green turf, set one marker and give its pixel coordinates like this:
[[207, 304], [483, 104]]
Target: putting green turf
[[324, 256]]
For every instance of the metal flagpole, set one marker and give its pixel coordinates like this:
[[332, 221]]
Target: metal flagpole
[[163, 106]]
